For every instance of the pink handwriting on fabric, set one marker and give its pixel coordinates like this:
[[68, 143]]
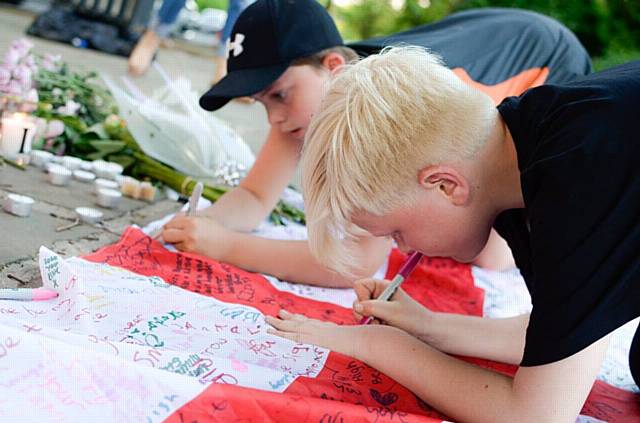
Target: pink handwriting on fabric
[[239, 366], [7, 345]]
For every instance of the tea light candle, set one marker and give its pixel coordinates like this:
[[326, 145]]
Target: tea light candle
[[89, 215], [107, 170], [40, 158], [17, 133], [85, 165], [71, 163], [104, 183], [59, 175], [83, 176], [109, 198], [18, 205]]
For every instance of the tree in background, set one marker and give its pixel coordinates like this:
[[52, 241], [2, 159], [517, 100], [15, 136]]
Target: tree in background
[[609, 29]]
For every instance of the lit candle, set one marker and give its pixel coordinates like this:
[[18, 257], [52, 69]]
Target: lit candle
[[17, 133]]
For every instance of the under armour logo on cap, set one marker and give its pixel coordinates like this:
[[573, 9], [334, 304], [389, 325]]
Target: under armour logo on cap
[[235, 46]]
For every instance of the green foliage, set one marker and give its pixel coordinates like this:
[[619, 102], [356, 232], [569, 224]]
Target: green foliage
[[212, 4], [607, 28]]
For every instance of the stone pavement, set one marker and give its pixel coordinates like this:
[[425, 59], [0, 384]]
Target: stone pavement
[[20, 238]]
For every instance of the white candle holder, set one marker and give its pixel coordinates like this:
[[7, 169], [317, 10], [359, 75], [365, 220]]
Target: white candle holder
[[71, 163], [18, 205], [104, 183], [83, 176], [17, 134], [107, 170], [40, 158], [109, 198], [59, 175], [86, 165], [89, 215]]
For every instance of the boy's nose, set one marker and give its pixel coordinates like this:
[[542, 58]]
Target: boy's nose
[[276, 117]]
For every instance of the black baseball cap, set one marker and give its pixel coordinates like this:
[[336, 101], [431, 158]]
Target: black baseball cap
[[266, 38]]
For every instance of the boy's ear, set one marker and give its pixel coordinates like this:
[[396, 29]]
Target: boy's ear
[[447, 181], [333, 61]]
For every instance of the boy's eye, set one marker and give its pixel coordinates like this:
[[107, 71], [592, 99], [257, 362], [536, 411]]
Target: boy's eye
[[279, 95]]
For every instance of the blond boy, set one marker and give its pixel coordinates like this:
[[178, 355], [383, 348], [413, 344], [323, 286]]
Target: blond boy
[[435, 165], [282, 52]]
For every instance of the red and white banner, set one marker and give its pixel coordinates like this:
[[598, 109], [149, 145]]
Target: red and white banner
[[344, 390]]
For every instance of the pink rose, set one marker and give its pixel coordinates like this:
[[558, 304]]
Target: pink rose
[[54, 129], [51, 62], [30, 62], [41, 128], [22, 46], [5, 75], [12, 57], [14, 87], [22, 73]]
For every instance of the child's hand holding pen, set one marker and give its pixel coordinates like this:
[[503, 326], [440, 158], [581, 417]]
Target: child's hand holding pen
[[400, 311]]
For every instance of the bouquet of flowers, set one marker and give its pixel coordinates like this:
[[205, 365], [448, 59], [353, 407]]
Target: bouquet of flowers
[[77, 116]]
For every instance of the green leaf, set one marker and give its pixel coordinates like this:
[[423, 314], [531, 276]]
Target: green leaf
[[122, 159], [71, 134], [107, 146]]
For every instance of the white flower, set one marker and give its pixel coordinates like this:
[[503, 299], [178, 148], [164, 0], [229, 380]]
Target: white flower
[[70, 108], [32, 96], [56, 92]]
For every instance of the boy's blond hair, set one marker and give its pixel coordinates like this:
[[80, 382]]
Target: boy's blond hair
[[382, 119]]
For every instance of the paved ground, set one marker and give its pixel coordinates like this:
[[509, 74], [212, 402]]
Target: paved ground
[[20, 238]]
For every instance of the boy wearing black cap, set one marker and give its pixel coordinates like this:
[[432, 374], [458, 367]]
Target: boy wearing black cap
[[282, 53]]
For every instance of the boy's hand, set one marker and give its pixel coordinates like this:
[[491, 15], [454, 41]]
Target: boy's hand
[[400, 311], [348, 340], [199, 234]]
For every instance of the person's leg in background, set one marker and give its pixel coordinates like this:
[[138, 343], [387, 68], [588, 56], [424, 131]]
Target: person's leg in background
[[142, 54], [234, 10]]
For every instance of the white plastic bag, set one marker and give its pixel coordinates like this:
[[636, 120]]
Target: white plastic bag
[[171, 128]]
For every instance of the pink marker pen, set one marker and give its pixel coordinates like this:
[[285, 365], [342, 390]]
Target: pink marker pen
[[27, 294], [402, 274]]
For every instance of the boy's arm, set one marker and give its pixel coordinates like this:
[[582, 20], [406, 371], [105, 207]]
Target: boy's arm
[[292, 260], [494, 339], [244, 207], [550, 393], [496, 254]]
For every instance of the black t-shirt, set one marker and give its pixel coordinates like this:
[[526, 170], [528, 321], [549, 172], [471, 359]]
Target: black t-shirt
[[577, 241]]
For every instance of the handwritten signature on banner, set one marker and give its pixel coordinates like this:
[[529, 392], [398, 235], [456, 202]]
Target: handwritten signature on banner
[[135, 325]]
